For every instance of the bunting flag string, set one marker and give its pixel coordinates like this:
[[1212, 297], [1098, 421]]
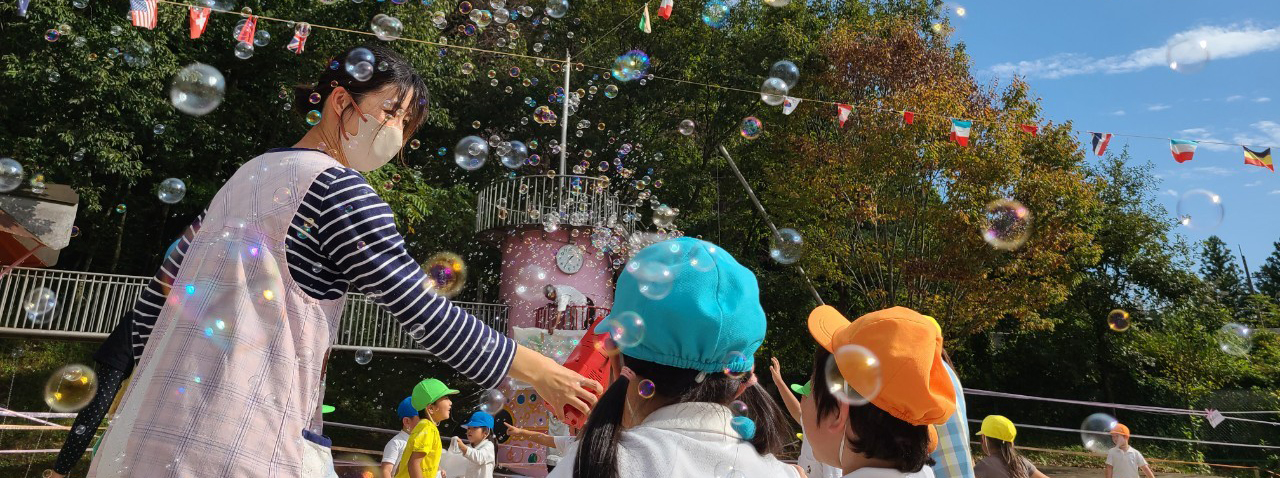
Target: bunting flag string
[[248, 30], [300, 33], [1258, 158], [199, 21], [1182, 150]]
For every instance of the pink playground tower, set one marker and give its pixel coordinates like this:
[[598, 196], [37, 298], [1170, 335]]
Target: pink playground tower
[[552, 230]]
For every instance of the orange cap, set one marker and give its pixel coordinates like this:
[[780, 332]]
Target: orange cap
[[915, 386], [1120, 429]]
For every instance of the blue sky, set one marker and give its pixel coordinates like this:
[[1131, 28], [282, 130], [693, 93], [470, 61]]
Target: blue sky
[[1102, 64]]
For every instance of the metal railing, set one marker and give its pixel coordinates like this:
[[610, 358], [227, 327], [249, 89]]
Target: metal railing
[[575, 317], [90, 304], [572, 200]]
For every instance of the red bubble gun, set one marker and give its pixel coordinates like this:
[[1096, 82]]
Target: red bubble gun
[[590, 361]]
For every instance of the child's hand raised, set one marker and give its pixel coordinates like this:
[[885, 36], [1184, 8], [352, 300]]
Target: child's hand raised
[[516, 431]]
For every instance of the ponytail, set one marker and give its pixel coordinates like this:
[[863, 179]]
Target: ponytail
[[597, 455]]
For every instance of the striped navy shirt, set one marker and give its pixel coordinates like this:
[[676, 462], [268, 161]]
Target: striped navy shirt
[[344, 235]]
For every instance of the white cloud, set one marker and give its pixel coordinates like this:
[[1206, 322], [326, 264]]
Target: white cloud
[[1253, 184], [1117, 113], [1158, 107], [1274, 191], [1261, 99], [1202, 135], [1212, 170], [1234, 98], [1266, 134], [1221, 42], [1171, 192]]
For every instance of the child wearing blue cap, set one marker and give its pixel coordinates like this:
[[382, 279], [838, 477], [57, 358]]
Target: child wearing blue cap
[[391, 453], [480, 455], [687, 320]]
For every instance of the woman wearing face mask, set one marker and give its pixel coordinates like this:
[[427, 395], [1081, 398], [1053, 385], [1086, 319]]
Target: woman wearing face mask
[[232, 335]]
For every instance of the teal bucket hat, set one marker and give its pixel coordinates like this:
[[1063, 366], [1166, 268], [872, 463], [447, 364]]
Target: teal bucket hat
[[687, 303]]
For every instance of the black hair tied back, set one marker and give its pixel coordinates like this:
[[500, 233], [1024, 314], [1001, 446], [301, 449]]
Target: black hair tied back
[[389, 70]]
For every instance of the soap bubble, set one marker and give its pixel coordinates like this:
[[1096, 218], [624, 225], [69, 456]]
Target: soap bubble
[[244, 50], [70, 388], [356, 57], [1200, 209], [52, 35], [39, 303], [11, 174], [557, 8], [611, 91], [447, 272], [121, 208], [470, 153], [786, 246], [626, 329], [853, 375], [716, 14], [261, 38], [653, 279], [492, 401], [664, 216], [364, 356], [362, 71], [751, 127], [515, 155], [197, 89], [544, 115], [171, 190], [386, 27], [646, 388], [727, 470], [786, 71], [738, 407], [1095, 432], [1235, 339], [773, 91], [1006, 224], [1187, 56], [313, 117], [777, 3], [531, 281], [686, 127], [1119, 320], [631, 65]]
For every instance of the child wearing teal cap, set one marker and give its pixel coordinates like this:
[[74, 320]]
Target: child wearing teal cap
[[391, 453], [421, 455], [687, 320]]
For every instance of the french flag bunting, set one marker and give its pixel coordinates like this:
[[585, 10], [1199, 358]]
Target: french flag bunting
[[300, 33], [843, 110], [1033, 130], [1182, 149], [789, 104], [664, 9], [1100, 142], [960, 131], [199, 20], [143, 13], [909, 117], [250, 27]]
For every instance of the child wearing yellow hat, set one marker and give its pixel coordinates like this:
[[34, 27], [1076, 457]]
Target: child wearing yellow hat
[[1124, 461], [1003, 460], [892, 436]]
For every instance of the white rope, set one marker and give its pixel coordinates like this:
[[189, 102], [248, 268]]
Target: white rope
[[1121, 406], [1183, 440]]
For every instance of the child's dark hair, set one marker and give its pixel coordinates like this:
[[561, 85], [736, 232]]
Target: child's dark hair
[[875, 433], [598, 450], [1017, 466], [390, 69]]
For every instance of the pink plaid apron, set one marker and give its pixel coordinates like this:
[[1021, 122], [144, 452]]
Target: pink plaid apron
[[233, 371]]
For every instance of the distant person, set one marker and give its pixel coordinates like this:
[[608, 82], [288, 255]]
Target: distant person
[[421, 455], [560, 443], [1003, 460], [115, 360], [563, 297], [806, 461], [478, 451], [1124, 461], [395, 447], [230, 361]]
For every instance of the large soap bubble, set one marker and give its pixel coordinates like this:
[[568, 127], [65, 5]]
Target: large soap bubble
[[197, 89]]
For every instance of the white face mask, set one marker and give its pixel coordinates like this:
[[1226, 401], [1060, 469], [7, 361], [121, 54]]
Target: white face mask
[[373, 144]]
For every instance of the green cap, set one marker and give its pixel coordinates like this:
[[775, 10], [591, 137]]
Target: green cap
[[428, 392], [802, 389], [326, 408]]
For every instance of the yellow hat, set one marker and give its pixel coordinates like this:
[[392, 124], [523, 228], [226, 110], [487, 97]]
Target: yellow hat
[[998, 427]]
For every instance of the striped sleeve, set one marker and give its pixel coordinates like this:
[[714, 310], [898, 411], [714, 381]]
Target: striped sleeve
[[354, 233], [151, 300]]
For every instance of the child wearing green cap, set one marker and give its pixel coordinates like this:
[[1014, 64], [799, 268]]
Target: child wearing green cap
[[421, 456], [686, 403]]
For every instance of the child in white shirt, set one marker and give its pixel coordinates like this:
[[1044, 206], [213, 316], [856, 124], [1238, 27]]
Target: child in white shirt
[[395, 447], [480, 455], [1124, 461]]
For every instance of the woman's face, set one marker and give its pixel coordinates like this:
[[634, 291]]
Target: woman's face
[[382, 104]]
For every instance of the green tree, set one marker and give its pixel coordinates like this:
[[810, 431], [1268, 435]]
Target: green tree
[[1219, 270], [1268, 276]]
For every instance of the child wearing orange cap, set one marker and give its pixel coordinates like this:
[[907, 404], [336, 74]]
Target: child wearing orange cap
[[893, 434], [1124, 461]]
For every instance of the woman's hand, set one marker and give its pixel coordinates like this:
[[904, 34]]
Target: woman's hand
[[556, 384]]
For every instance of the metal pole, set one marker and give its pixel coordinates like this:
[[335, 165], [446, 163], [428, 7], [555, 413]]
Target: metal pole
[[760, 208], [564, 119]]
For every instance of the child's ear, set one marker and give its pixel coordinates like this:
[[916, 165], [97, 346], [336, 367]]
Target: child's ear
[[837, 423]]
